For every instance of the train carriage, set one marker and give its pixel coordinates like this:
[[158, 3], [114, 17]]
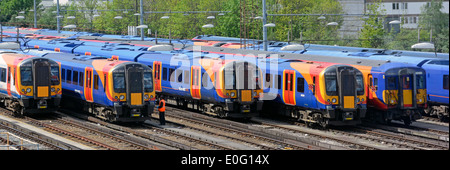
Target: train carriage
[[29, 84], [116, 91]]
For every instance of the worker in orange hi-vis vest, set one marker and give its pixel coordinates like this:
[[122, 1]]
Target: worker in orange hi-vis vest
[[162, 109]]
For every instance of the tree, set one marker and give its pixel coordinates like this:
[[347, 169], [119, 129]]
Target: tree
[[433, 19], [8, 8], [371, 35]]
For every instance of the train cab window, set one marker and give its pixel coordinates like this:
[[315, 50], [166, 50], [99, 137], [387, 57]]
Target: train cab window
[[331, 83], [359, 84], [179, 75], [54, 70], [164, 74], [3, 75], [69, 76], [230, 82], [26, 76], [186, 77], [81, 79], [148, 82], [75, 78], [420, 81], [300, 85], [96, 82], [391, 84], [446, 82], [119, 82], [63, 75]]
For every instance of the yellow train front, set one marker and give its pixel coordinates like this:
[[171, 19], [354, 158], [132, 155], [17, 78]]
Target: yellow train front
[[29, 84], [115, 91]]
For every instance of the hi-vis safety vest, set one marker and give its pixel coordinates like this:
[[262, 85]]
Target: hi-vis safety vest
[[163, 107]]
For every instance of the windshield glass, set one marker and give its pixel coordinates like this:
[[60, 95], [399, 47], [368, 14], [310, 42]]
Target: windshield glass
[[25, 76], [119, 82], [148, 83]]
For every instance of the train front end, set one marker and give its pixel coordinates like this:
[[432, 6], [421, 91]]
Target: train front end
[[241, 87], [133, 93], [342, 89], [39, 84]]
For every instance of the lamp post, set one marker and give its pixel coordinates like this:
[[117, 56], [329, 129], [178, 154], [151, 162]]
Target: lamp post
[[57, 16], [264, 23], [170, 29], [18, 17], [142, 19]]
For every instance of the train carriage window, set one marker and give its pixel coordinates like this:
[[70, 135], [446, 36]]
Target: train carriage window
[[375, 83], [63, 75], [9, 74], [179, 75], [171, 74], [268, 82], [69, 76], [75, 78], [446, 82], [164, 74], [186, 77], [26, 76], [205, 79], [300, 85], [278, 84], [96, 82], [81, 79], [3, 74]]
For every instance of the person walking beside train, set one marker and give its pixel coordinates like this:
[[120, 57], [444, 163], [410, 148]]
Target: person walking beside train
[[162, 109]]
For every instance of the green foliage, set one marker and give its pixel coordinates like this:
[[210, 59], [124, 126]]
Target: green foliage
[[10, 8], [372, 33]]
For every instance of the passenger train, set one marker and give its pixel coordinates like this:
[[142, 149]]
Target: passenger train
[[115, 91], [435, 64], [402, 103], [29, 84]]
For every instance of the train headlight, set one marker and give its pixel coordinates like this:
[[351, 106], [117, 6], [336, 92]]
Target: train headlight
[[362, 99], [145, 97], [57, 89], [23, 90], [121, 97], [232, 94], [357, 100], [392, 101], [53, 89], [328, 100], [28, 90], [420, 100], [151, 96], [333, 100]]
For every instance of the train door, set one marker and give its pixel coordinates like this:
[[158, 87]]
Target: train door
[[157, 75], [406, 88], [8, 82], [347, 88], [135, 87], [288, 86], [88, 84], [42, 78], [195, 82], [370, 87]]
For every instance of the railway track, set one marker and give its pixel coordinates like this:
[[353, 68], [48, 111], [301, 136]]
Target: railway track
[[245, 132]]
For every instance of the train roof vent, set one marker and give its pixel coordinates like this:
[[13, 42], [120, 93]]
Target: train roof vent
[[7, 52], [160, 48], [293, 47], [9, 45]]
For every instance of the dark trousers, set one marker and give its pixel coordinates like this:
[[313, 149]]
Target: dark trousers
[[162, 119]]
